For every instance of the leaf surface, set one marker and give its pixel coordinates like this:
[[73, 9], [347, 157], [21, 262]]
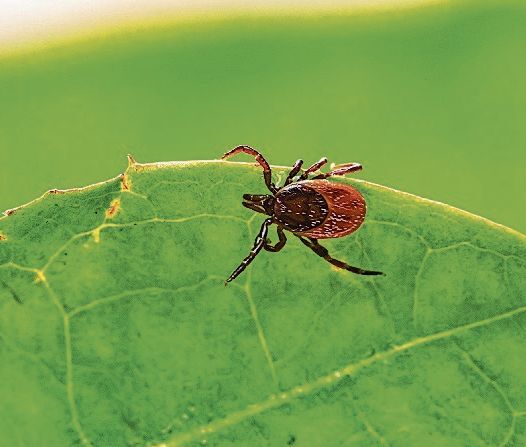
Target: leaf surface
[[116, 328]]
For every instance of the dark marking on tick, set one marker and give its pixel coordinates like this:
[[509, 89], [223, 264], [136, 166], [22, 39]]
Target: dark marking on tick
[[311, 209]]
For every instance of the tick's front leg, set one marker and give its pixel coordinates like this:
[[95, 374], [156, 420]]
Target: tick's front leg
[[259, 243], [267, 173], [280, 244]]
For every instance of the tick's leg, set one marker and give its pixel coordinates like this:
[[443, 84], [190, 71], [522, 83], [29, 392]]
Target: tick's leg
[[315, 246], [341, 170], [258, 245], [280, 244], [295, 169], [267, 173], [313, 168]]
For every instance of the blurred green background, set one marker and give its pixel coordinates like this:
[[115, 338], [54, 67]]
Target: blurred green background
[[432, 101]]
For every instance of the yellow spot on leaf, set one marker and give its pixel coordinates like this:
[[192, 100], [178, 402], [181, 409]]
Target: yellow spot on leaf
[[3, 237], [41, 277], [131, 160], [125, 182], [113, 209], [96, 235]]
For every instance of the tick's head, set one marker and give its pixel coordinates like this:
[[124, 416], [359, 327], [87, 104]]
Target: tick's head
[[261, 203]]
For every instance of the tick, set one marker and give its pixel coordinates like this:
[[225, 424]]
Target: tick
[[310, 209]]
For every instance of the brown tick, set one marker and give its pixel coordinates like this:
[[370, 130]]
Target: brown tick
[[311, 209]]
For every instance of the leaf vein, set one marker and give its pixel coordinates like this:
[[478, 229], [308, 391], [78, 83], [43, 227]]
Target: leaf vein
[[254, 314], [275, 401], [130, 293], [470, 361]]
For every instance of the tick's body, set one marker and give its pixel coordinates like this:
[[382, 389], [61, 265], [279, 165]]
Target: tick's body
[[310, 209], [319, 209]]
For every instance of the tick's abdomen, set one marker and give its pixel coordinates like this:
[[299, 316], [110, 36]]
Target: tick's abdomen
[[320, 209], [300, 208]]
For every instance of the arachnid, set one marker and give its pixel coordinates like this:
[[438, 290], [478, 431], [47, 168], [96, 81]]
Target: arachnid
[[311, 209]]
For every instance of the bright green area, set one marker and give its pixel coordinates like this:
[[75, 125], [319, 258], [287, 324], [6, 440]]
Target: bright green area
[[116, 328], [431, 101]]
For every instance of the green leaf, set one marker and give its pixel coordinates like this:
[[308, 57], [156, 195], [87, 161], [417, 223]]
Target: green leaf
[[116, 328]]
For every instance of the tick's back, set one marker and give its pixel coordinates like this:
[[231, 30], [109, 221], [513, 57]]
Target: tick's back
[[321, 209]]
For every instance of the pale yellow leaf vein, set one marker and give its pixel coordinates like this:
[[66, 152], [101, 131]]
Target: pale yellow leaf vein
[[371, 430], [399, 225], [131, 293], [480, 372], [311, 328], [368, 426], [417, 281], [95, 232], [261, 333], [254, 313], [377, 291], [447, 247], [70, 387], [277, 400], [431, 251], [69, 367]]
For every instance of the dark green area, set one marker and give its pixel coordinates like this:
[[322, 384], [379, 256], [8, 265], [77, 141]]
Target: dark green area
[[116, 329], [430, 100]]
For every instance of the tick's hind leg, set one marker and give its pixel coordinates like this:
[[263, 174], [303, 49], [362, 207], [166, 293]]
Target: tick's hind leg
[[341, 170], [280, 244], [259, 243], [320, 250], [267, 173]]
